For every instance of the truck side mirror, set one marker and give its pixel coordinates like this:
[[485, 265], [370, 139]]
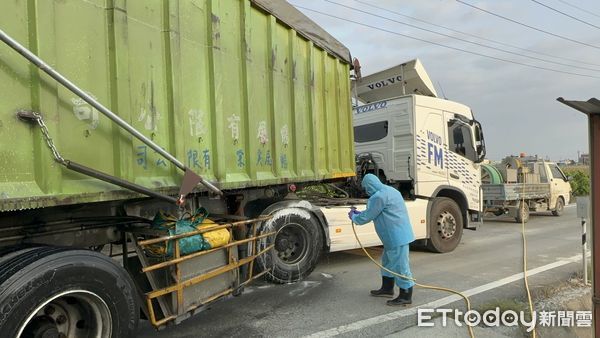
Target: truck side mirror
[[480, 143]]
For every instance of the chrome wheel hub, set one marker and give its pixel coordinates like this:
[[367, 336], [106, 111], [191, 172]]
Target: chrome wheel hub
[[446, 225]]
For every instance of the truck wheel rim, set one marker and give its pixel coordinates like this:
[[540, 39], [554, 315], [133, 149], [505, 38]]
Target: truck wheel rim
[[291, 243], [446, 224], [73, 314]]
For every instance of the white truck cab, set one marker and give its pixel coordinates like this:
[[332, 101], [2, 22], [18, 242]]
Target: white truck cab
[[427, 147]]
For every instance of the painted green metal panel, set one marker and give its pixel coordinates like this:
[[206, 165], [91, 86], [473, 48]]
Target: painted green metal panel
[[227, 88]]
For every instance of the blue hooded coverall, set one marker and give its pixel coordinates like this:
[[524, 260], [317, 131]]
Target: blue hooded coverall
[[386, 208]]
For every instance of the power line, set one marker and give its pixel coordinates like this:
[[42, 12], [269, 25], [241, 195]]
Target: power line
[[579, 8], [526, 25], [445, 46], [565, 14], [476, 36], [459, 39]]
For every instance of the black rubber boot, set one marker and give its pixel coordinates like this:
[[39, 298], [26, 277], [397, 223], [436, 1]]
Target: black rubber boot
[[387, 288], [405, 298]]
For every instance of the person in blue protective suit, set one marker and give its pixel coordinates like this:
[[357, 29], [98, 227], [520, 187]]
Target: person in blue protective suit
[[386, 208]]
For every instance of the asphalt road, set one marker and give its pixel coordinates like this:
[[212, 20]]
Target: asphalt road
[[337, 293]]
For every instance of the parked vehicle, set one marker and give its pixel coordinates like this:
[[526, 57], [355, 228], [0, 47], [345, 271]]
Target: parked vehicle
[[251, 101], [519, 185], [132, 104], [427, 147]]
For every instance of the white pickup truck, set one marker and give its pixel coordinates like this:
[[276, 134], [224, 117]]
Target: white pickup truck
[[519, 185]]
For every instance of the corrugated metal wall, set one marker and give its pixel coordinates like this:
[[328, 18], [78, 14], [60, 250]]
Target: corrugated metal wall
[[235, 94]]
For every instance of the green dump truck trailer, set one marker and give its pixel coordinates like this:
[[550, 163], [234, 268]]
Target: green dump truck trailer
[[151, 131]]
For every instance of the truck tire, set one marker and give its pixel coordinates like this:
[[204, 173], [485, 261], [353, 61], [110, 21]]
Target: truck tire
[[522, 213], [298, 246], [51, 292], [445, 225], [559, 208]]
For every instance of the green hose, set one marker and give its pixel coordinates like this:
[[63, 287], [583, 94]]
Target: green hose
[[493, 173]]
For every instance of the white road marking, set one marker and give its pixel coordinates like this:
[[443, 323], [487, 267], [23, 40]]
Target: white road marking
[[442, 301]]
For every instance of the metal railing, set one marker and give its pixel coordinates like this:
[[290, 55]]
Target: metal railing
[[156, 296]]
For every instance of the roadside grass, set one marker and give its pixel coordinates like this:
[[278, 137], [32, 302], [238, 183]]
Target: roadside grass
[[504, 305], [559, 296], [548, 291], [571, 295], [575, 168], [568, 295], [579, 275], [546, 296]]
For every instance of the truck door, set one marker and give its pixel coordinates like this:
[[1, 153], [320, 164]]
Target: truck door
[[430, 145], [462, 155], [559, 186]]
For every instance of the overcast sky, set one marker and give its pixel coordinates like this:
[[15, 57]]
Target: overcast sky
[[516, 105]]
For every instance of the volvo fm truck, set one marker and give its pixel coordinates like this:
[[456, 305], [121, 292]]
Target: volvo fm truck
[[429, 148]]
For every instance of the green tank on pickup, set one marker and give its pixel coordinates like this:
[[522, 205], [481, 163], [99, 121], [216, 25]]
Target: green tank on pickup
[[245, 93]]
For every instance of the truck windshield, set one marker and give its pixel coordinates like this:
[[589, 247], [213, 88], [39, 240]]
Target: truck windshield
[[556, 173], [371, 132]]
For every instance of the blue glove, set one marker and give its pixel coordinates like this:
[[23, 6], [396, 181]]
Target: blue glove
[[353, 212]]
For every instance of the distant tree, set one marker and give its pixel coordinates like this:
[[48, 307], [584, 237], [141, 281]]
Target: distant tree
[[580, 180]]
